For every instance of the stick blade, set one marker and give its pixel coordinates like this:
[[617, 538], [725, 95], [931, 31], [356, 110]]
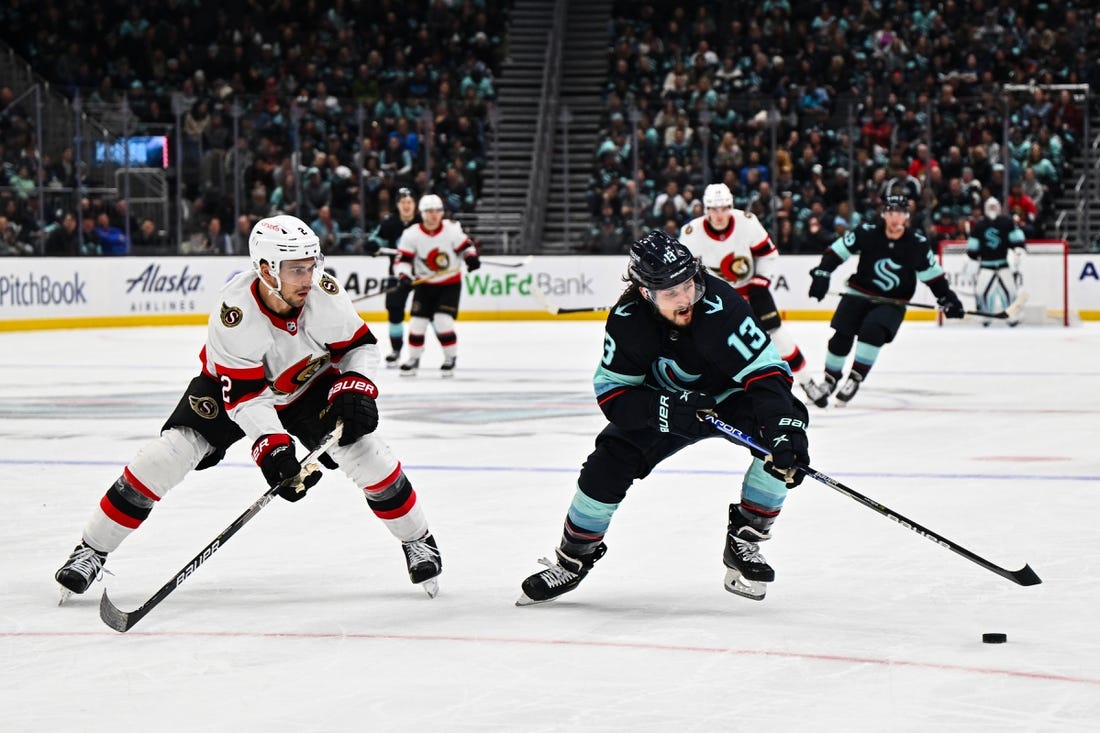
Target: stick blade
[[1026, 576], [1016, 306], [115, 617]]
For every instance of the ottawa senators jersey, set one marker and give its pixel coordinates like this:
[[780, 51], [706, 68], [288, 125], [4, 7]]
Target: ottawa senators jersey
[[743, 252], [264, 360], [434, 256]]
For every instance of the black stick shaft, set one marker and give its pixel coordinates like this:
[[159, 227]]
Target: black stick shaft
[[120, 620], [1023, 576]]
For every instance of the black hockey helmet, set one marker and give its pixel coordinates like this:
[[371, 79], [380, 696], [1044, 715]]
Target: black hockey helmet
[[658, 261], [897, 202]]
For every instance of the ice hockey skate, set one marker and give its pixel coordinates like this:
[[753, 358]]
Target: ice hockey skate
[[392, 358], [448, 367], [848, 391], [409, 368], [559, 577], [83, 567], [818, 393], [747, 572], [424, 562]]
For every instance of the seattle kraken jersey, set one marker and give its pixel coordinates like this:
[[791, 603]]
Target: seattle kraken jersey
[[721, 352], [264, 360], [888, 267], [990, 240]]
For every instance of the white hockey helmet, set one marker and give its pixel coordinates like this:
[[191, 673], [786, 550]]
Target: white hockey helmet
[[279, 238], [430, 202], [992, 208], [717, 194]]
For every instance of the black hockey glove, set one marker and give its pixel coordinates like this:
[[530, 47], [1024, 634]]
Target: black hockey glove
[[404, 284], [274, 454], [472, 262], [785, 437], [351, 399], [389, 284], [677, 413], [820, 285], [951, 305]]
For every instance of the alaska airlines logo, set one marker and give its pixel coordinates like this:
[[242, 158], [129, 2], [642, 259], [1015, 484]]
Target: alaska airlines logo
[[885, 277], [670, 375]]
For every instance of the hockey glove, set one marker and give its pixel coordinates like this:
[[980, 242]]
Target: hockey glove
[[820, 285], [389, 284], [1018, 278], [677, 413], [274, 454], [951, 305], [785, 437], [351, 399], [404, 284], [472, 262]]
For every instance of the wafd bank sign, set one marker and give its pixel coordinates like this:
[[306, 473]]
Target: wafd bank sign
[[72, 292]]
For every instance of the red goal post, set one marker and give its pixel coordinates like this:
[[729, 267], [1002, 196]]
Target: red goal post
[[1045, 273]]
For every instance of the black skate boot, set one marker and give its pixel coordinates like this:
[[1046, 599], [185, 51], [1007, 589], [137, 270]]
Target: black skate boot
[[448, 368], [424, 562], [848, 391], [559, 577], [391, 359], [746, 569], [83, 567], [409, 368]]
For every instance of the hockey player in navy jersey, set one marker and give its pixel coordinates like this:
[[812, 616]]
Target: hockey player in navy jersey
[[678, 342], [892, 257], [998, 247], [286, 355]]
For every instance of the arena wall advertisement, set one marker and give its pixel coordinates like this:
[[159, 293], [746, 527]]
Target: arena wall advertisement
[[41, 293]]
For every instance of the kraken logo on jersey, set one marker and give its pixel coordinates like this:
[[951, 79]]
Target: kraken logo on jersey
[[329, 285], [298, 374], [670, 375], [885, 277], [204, 407], [231, 315], [733, 267]]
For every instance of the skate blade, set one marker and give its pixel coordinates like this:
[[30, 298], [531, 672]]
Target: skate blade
[[447, 375], [431, 587], [523, 600], [66, 594], [736, 584]]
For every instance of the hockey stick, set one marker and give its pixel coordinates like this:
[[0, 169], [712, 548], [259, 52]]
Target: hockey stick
[[120, 620], [526, 260], [1011, 311], [417, 281], [1023, 576], [555, 310]]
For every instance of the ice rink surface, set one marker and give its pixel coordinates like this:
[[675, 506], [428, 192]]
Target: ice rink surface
[[306, 620]]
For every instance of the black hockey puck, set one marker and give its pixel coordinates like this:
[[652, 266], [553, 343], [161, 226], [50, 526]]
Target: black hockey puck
[[994, 638]]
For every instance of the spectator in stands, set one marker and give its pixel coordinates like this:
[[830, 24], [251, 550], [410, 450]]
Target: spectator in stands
[[64, 239], [327, 230], [147, 239], [111, 239]]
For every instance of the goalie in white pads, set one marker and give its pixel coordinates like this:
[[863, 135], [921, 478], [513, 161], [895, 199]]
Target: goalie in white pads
[[286, 354], [998, 247], [734, 245], [431, 255]]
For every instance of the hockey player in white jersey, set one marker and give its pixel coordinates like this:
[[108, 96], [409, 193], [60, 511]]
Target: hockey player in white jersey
[[734, 245], [431, 254], [286, 355]]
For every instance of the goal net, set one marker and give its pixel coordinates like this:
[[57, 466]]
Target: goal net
[[1045, 272]]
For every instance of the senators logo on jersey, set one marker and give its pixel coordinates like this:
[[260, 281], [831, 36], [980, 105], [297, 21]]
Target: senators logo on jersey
[[291, 380], [437, 261], [329, 285], [205, 407], [231, 315], [733, 267]]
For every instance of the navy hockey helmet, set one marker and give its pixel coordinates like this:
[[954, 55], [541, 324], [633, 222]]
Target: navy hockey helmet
[[897, 202], [658, 261]]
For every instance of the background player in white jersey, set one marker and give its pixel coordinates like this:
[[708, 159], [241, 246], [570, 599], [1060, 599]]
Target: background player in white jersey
[[286, 354], [432, 254], [734, 245], [998, 246]]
